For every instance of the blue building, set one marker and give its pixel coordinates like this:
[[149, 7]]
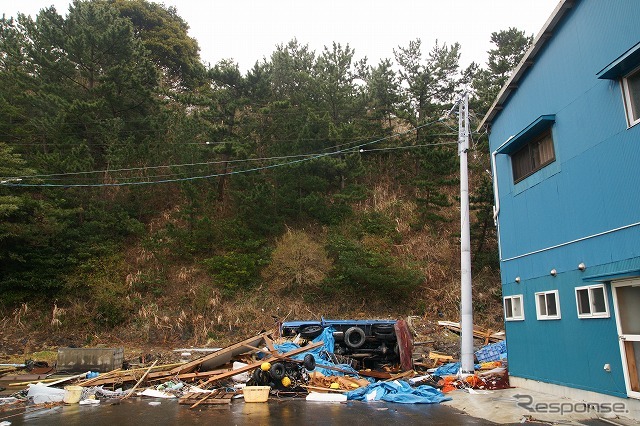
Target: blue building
[[565, 143]]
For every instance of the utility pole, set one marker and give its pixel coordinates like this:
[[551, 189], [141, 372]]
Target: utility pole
[[466, 302]]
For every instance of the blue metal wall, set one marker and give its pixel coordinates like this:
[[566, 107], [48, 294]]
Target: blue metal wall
[[593, 187]]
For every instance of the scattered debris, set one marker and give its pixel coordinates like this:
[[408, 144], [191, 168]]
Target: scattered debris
[[478, 332], [330, 360]]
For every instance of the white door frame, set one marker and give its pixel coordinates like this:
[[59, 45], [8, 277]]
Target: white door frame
[[624, 337]]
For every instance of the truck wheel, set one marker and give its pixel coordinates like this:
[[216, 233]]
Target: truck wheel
[[386, 337], [354, 337], [383, 328], [311, 331]]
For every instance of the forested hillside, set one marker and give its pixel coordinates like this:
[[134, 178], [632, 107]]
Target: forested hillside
[[142, 190]]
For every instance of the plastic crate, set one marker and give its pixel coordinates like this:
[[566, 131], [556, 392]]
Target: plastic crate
[[256, 393], [493, 352]]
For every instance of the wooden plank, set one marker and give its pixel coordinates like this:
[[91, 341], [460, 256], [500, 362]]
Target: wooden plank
[[487, 335], [200, 401], [323, 390], [400, 375], [24, 377], [156, 376], [139, 381], [101, 376], [220, 357], [436, 355], [216, 397], [269, 343], [439, 358], [254, 349], [198, 375], [55, 379]]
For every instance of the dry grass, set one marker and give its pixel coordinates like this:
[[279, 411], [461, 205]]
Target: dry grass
[[190, 310]]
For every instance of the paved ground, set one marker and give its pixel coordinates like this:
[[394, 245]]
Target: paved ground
[[275, 412], [509, 406], [516, 405]]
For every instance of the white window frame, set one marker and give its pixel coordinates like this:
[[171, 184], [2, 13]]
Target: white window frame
[[512, 298], [631, 120], [591, 314], [543, 314]]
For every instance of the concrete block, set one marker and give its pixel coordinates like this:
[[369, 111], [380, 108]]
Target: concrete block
[[89, 359]]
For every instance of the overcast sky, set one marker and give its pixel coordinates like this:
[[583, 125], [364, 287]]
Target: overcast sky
[[249, 30]]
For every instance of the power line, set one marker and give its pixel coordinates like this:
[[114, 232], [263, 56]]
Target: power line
[[411, 146], [347, 151], [11, 181], [182, 165]]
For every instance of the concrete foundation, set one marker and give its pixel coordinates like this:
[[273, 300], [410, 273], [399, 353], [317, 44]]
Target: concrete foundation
[[89, 359]]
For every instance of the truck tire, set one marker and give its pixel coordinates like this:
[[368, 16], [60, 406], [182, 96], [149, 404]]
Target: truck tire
[[354, 337], [311, 331], [384, 329]]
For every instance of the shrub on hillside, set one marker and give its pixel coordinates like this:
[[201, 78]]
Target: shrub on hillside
[[297, 262], [235, 271], [362, 269]]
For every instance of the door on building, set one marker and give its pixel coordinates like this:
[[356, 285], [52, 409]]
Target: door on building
[[626, 296]]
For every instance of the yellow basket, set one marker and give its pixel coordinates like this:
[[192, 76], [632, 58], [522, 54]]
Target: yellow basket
[[256, 393]]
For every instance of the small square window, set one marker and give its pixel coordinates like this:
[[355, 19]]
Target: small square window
[[547, 305], [631, 91], [532, 157], [513, 308], [592, 301]]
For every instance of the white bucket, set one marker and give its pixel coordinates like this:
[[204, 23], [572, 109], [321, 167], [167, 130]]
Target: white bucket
[[72, 394]]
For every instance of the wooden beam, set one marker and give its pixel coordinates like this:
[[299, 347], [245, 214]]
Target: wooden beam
[[269, 343], [139, 381], [222, 356]]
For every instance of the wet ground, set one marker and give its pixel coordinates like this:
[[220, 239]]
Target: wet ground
[[279, 412]]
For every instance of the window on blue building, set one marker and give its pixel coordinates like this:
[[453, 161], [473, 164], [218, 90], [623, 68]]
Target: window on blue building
[[547, 305], [631, 90], [513, 309], [592, 301], [533, 156]]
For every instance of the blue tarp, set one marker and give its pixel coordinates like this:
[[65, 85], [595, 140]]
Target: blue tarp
[[319, 353], [450, 369], [398, 391], [492, 352]]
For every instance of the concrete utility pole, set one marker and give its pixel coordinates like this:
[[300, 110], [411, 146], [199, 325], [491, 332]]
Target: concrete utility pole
[[466, 303]]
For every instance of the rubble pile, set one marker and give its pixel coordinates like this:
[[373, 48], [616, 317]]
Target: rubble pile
[[320, 361]]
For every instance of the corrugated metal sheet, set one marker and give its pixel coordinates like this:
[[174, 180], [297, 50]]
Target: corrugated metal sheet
[[569, 351], [585, 207]]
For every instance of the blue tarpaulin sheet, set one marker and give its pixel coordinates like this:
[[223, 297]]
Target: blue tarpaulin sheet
[[492, 352], [398, 391], [450, 369], [319, 353]]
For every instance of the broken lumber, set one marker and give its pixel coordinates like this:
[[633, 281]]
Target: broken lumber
[[139, 381], [257, 364], [221, 357], [216, 397]]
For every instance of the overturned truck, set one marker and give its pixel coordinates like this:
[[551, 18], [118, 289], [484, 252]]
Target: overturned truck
[[370, 342]]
